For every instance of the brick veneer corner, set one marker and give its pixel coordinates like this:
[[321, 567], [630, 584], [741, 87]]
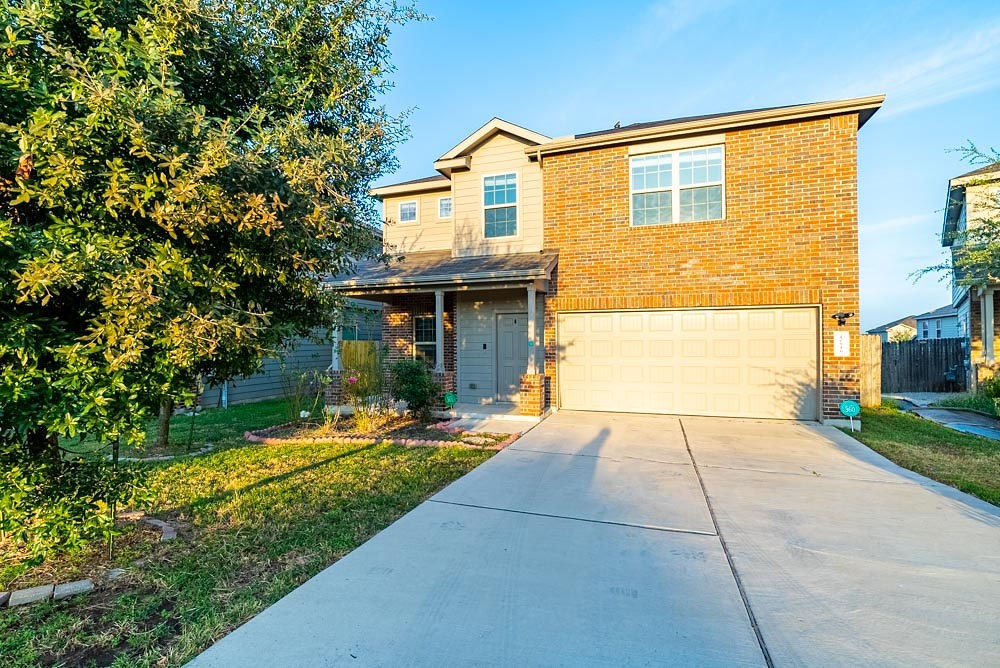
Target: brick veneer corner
[[534, 394]]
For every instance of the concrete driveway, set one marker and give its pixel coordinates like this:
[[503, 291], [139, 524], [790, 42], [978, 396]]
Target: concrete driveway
[[610, 539]]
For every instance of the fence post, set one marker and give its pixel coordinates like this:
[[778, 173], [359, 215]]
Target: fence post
[[871, 370]]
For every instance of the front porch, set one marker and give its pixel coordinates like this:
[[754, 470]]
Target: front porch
[[477, 322]]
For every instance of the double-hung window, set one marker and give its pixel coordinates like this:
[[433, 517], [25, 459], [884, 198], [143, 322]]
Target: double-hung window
[[425, 338], [677, 186], [444, 207], [500, 205], [408, 212]]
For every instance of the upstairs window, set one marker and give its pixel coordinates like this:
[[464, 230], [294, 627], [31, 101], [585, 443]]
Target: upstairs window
[[677, 187], [408, 212], [425, 339], [924, 329], [500, 205], [444, 207], [937, 329]]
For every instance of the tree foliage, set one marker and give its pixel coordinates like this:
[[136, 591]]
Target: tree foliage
[[975, 259], [174, 176]]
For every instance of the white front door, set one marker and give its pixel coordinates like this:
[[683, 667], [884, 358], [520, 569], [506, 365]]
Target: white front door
[[512, 354]]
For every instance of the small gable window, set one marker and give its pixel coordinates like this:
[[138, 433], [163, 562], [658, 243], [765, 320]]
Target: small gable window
[[444, 207], [500, 205], [408, 212], [677, 187]]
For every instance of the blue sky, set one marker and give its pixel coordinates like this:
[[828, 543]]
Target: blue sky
[[562, 67]]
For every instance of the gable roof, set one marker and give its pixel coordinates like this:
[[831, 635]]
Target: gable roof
[[909, 321], [956, 198], [491, 127], [942, 312]]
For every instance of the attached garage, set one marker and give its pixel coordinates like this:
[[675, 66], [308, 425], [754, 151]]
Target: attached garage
[[755, 362]]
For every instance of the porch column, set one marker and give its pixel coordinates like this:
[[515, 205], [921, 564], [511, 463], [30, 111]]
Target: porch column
[[335, 342], [532, 342], [988, 324], [439, 331]]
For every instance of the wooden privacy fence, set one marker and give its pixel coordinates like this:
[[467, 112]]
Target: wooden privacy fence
[[871, 370], [931, 365]]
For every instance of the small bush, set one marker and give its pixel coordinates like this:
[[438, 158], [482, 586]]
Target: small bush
[[413, 383], [990, 387], [59, 505]]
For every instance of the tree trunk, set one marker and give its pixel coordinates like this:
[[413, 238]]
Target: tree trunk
[[163, 426]]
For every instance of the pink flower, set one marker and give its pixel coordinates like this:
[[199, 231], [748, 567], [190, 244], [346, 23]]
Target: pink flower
[[352, 379]]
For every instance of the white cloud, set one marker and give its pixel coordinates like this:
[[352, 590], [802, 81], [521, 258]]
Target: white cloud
[[946, 71], [896, 223]]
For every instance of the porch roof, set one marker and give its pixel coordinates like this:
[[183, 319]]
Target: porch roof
[[429, 270]]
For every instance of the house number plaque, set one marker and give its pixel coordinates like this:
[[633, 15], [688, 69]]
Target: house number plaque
[[841, 344]]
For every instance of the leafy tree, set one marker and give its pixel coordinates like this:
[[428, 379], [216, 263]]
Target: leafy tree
[[975, 257], [901, 335], [174, 177]]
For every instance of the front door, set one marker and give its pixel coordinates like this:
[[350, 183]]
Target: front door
[[512, 354]]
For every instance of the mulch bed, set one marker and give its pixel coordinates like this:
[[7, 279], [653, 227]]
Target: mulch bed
[[403, 430]]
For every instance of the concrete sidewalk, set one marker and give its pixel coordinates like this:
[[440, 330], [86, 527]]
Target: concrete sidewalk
[[964, 421]]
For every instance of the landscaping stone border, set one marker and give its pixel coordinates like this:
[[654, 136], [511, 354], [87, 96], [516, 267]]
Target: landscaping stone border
[[167, 532], [165, 458], [41, 593]]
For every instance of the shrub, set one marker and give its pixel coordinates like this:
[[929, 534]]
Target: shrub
[[413, 383], [47, 506]]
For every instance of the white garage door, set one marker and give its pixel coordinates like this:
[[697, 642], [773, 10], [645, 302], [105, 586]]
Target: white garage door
[[725, 362]]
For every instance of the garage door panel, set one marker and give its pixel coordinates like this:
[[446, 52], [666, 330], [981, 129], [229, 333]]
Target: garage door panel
[[728, 362]]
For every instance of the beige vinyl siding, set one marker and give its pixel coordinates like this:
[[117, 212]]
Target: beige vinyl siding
[[427, 234], [477, 326], [501, 154]]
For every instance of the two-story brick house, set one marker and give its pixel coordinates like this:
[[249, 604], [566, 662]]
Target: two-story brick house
[[688, 266]]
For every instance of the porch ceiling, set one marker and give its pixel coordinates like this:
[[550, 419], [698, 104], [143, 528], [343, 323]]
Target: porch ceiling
[[438, 270]]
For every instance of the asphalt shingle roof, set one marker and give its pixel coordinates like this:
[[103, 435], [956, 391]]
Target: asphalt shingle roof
[[430, 267]]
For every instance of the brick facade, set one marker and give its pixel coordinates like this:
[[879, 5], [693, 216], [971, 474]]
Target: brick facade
[[789, 237], [397, 326], [533, 398]]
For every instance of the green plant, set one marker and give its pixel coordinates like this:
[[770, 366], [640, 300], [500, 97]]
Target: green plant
[[59, 504], [174, 176], [413, 383], [303, 390]]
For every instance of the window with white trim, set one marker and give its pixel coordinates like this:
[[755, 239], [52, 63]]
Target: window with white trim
[[444, 207], [678, 186], [924, 329], [500, 205], [408, 212], [425, 339]]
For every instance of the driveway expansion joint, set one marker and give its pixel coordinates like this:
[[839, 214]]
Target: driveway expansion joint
[[729, 557], [612, 459], [648, 527]]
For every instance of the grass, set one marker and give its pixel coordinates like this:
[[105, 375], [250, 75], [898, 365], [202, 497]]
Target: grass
[[964, 461], [253, 523], [189, 433], [979, 402]]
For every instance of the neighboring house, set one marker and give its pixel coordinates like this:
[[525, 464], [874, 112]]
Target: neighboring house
[[362, 322], [903, 329], [972, 198], [689, 266], [941, 323]]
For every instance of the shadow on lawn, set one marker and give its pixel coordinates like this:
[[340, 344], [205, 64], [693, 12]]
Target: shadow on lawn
[[200, 503]]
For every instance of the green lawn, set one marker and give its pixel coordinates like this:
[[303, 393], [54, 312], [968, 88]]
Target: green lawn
[[254, 523], [969, 463], [189, 433], [979, 402]]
